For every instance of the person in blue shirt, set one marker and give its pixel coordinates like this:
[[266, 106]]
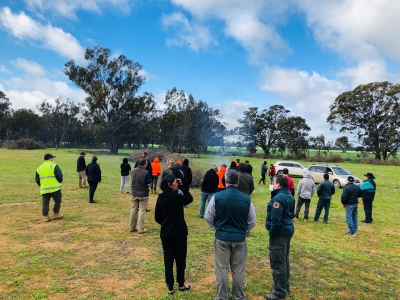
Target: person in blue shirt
[[368, 190]]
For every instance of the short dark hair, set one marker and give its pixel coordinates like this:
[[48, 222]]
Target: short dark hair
[[282, 180], [285, 171], [242, 167], [145, 154], [232, 176], [142, 161], [326, 176], [246, 161], [167, 181]]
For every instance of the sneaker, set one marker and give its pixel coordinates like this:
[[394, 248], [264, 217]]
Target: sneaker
[[185, 288], [127, 192], [142, 231], [295, 219], [200, 216], [272, 297], [46, 219], [351, 234], [57, 216]]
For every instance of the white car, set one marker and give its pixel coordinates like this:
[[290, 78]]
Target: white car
[[337, 175], [295, 169]]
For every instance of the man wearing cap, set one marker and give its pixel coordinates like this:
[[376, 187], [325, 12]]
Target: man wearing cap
[[350, 195], [49, 177], [80, 168], [368, 189], [231, 213]]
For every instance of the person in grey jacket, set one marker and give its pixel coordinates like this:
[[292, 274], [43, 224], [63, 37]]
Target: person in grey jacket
[[305, 190], [246, 181], [325, 191]]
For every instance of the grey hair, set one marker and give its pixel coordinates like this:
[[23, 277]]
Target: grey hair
[[232, 176]]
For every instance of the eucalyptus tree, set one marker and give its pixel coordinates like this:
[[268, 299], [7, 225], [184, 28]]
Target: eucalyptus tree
[[5, 114]]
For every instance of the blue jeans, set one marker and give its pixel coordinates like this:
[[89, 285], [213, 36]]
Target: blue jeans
[[205, 197], [154, 180], [351, 217], [271, 177]]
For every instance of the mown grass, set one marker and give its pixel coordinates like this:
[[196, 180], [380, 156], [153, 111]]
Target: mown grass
[[91, 255]]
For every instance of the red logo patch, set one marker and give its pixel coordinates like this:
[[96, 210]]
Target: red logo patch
[[276, 204]]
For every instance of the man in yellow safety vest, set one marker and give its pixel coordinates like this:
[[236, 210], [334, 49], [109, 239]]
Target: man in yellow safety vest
[[49, 177]]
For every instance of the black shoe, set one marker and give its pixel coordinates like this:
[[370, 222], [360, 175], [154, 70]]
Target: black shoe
[[147, 210], [200, 216], [185, 288], [92, 201]]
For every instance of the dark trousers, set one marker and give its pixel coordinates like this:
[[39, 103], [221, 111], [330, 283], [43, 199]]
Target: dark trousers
[[368, 210], [323, 204], [57, 195], [92, 189], [174, 250], [262, 179], [279, 248], [300, 204]]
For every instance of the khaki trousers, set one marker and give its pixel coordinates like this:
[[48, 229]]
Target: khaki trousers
[[138, 212], [82, 178]]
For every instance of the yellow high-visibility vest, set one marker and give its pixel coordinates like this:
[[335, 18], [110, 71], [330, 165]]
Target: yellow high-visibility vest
[[48, 181]]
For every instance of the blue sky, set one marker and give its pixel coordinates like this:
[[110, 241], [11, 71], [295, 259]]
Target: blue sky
[[233, 54]]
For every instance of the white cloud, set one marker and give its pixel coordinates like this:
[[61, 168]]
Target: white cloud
[[147, 75], [232, 110], [250, 23], [24, 27], [306, 95], [67, 8], [194, 36], [3, 69], [29, 67]]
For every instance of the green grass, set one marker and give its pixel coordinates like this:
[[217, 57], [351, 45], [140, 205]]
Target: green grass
[[91, 255]]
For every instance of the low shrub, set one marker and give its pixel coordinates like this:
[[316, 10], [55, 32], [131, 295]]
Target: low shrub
[[334, 158], [374, 161], [23, 144]]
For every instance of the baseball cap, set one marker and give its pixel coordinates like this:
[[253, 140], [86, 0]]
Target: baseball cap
[[350, 179], [47, 156]]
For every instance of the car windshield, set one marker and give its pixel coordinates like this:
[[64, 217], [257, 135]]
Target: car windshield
[[340, 171]]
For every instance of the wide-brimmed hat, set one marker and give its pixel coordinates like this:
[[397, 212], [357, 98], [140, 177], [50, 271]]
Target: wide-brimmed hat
[[369, 175]]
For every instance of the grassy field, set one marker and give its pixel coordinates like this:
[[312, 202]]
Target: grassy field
[[91, 255]]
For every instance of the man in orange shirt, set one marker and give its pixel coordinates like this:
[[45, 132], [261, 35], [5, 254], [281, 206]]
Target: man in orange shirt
[[155, 172], [221, 173]]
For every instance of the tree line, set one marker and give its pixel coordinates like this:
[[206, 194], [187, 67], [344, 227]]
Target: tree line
[[115, 114]]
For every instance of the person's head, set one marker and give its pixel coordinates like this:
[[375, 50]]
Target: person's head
[[48, 156], [271, 165], [369, 175], [326, 176], [238, 160], [83, 153], [170, 162], [280, 182], [142, 162], [177, 165], [145, 154], [285, 171], [125, 160], [246, 162], [156, 160], [242, 167], [185, 162], [233, 165], [215, 168], [169, 182], [223, 166], [231, 177], [94, 159], [350, 179], [265, 162]]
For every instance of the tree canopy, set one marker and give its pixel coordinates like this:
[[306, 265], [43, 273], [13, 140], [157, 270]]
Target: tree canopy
[[371, 114]]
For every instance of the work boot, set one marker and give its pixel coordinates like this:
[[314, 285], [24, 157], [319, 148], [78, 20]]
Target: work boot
[[272, 297], [295, 219], [57, 216], [80, 186], [142, 231], [155, 192], [305, 220], [46, 219]]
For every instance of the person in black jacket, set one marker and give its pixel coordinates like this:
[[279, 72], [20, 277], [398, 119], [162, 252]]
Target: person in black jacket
[[209, 187], [169, 214], [188, 172], [350, 195], [80, 168], [93, 174], [146, 156], [125, 169]]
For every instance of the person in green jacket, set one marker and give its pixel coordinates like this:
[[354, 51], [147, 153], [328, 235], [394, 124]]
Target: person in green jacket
[[49, 177]]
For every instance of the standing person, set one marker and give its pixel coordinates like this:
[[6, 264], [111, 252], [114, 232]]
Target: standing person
[[93, 173], [350, 195], [188, 172], [325, 191], [155, 172], [264, 170], [231, 213], [271, 173], [246, 181], [80, 168], [141, 181], [279, 224], [233, 166], [49, 177], [169, 214], [305, 189], [291, 186], [249, 168], [146, 156], [209, 187], [237, 163], [221, 182], [125, 169], [368, 189]]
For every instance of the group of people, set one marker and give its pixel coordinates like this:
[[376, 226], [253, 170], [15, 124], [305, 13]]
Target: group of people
[[230, 212]]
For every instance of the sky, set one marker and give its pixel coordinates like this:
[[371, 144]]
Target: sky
[[232, 54]]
